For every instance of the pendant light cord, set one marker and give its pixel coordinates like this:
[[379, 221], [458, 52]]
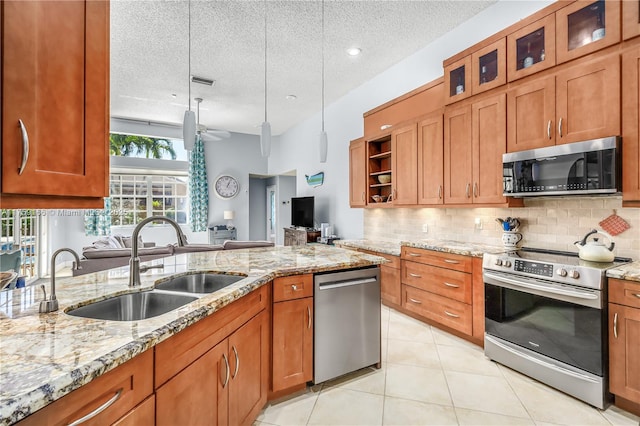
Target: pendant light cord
[[323, 65], [189, 100], [265, 61]]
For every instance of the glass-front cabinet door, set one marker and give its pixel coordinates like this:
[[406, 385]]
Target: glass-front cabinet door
[[586, 26], [630, 19], [531, 49], [489, 67], [457, 80]]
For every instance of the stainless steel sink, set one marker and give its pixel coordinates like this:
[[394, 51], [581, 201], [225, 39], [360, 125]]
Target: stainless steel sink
[[133, 306], [199, 283]]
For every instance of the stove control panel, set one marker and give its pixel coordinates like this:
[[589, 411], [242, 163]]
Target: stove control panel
[[536, 268]]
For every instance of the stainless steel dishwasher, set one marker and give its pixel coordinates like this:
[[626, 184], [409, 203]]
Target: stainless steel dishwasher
[[347, 322]]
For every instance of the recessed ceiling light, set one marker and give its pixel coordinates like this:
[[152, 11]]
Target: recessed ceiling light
[[173, 95], [354, 51], [291, 97]]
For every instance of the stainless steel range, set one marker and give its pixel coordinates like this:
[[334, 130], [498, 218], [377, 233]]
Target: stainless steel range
[[545, 316]]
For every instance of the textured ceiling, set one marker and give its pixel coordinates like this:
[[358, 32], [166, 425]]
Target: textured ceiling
[[149, 54]]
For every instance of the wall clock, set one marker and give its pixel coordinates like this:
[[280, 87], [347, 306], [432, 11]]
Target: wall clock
[[226, 187]]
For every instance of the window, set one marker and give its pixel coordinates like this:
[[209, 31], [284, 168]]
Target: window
[[136, 197], [21, 231]]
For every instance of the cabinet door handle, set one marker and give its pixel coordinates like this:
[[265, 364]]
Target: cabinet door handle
[[451, 315], [451, 285], [615, 325], [455, 262], [440, 192], [25, 146], [415, 301], [226, 363], [362, 195], [309, 316], [235, 352], [475, 189], [560, 127], [549, 129], [98, 410], [415, 275], [467, 190], [395, 194]]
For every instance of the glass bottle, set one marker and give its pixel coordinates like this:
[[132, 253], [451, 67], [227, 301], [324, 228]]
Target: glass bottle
[[599, 32], [542, 55], [483, 74], [460, 86], [528, 60]]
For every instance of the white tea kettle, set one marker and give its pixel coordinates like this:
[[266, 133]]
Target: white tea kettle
[[595, 250]]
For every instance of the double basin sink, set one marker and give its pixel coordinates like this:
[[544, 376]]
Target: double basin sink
[[166, 297]]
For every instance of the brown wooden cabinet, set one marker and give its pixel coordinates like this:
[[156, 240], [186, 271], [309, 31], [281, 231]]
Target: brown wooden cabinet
[[357, 173], [457, 80], [458, 161], [430, 159], [531, 109], [630, 127], [292, 352], [143, 415], [404, 165], [379, 163], [532, 48], [630, 19], [624, 343], [55, 104], [584, 27], [489, 67], [390, 284], [118, 392]]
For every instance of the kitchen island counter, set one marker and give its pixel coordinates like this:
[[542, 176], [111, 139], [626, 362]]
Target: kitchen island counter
[[445, 246], [46, 356]]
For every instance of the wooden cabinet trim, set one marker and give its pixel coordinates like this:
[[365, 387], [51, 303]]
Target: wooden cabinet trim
[[292, 287]]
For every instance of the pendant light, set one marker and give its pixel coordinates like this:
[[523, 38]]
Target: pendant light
[[189, 122], [265, 134], [323, 142]]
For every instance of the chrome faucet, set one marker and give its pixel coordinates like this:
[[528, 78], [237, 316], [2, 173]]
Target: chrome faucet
[[134, 262], [51, 304]]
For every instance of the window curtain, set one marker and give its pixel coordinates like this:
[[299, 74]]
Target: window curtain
[[98, 222], [198, 188]]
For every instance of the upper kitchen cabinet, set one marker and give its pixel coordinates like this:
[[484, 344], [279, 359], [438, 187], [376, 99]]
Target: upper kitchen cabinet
[[457, 80], [532, 48], [430, 159], [586, 26], [55, 103], [404, 147], [530, 115], [630, 128], [630, 19], [357, 173], [379, 175], [458, 159], [489, 67]]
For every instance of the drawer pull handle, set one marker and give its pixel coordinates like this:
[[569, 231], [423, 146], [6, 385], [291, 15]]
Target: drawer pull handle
[[455, 262], [98, 410], [451, 315], [413, 254], [25, 147], [235, 352], [415, 275], [415, 301], [615, 325], [294, 287], [451, 285], [636, 295], [309, 314], [226, 363]]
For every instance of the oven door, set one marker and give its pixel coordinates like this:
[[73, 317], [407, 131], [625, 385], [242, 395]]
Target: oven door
[[559, 321]]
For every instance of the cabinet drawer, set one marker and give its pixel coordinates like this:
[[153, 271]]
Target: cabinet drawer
[[390, 291], [393, 261], [445, 282], [624, 292], [119, 390], [436, 258], [448, 312], [293, 287]]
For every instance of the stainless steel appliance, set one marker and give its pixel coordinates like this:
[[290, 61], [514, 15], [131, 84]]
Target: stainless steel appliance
[[346, 322], [590, 167], [545, 316]]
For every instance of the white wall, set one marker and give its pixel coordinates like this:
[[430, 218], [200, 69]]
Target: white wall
[[298, 147], [286, 189], [257, 209]]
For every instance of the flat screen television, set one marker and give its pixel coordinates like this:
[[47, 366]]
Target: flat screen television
[[302, 212]]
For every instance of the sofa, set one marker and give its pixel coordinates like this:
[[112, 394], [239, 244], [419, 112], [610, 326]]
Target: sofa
[[114, 251]]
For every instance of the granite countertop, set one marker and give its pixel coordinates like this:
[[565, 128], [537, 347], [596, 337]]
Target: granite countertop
[[45, 356], [447, 246], [630, 271]]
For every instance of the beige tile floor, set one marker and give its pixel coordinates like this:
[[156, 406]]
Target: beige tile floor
[[429, 377]]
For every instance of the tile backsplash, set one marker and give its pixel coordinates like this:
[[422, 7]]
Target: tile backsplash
[[553, 223]]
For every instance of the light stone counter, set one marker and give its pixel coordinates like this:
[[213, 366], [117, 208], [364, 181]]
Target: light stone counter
[[446, 246], [630, 271], [386, 247], [45, 356]]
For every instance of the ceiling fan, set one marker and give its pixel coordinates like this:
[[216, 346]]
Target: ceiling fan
[[205, 133]]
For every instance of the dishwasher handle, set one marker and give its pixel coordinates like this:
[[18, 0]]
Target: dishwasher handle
[[345, 283]]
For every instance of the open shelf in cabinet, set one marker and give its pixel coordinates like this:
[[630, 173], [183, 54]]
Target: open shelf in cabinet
[[379, 164]]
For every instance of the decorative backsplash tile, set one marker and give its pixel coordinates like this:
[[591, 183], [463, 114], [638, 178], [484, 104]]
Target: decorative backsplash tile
[[554, 223]]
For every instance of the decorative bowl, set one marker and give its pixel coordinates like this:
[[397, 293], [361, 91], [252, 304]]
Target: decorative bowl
[[378, 198], [384, 178]]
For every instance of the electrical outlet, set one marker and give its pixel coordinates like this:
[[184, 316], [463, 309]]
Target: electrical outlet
[[425, 227], [478, 223]]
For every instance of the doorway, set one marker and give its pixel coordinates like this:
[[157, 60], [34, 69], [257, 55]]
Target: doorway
[[272, 218]]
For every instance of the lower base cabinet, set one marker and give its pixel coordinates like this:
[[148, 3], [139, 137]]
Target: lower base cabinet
[[143, 414], [390, 291]]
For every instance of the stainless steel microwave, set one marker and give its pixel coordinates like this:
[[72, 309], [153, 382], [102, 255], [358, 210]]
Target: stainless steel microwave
[[580, 168]]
